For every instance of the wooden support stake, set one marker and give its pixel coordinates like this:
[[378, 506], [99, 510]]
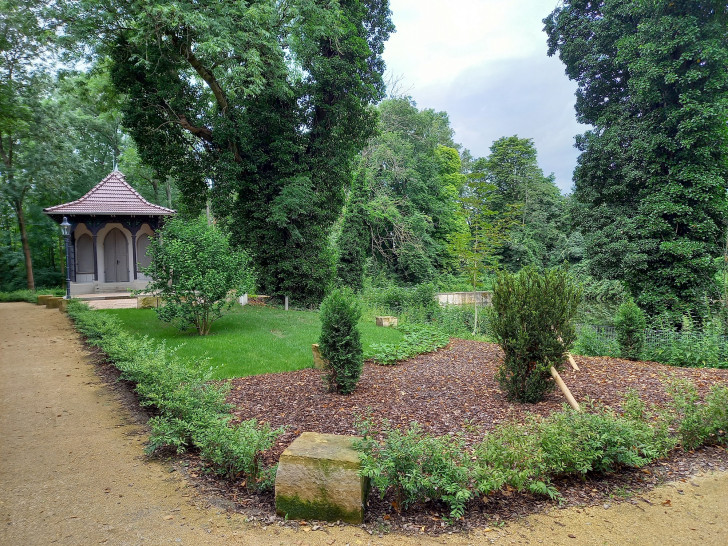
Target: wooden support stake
[[572, 362], [567, 393], [286, 303]]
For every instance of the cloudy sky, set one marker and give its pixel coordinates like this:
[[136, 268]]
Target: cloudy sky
[[484, 62]]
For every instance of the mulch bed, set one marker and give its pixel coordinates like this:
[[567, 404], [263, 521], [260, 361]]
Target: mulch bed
[[452, 389]]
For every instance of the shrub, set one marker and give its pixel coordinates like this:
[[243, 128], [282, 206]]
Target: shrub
[[590, 343], [196, 273], [192, 411], [630, 325], [416, 466], [418, 339], [531, 319], [699, 423], [340, 342]]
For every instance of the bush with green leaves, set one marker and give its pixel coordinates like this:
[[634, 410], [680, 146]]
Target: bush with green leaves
[[196, 273], [340, 341], [416, 466], [630, 324], [698, 423], [531, 319], [417, 339], [192, 411], [31, 296], [590, 343]]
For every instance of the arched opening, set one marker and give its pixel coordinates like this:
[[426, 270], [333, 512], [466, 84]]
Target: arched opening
[[116, 257], [142, 244], [84, 254]]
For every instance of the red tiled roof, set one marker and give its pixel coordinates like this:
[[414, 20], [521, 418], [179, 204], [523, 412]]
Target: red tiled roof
[[112, 196]]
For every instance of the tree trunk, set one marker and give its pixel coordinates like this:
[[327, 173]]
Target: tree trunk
[[18, 205]]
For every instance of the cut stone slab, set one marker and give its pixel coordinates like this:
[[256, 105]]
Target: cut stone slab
[[147, 302], [53, 303], [43, 299], [387, 321], [319, 362], [63, 305], [318, 478]]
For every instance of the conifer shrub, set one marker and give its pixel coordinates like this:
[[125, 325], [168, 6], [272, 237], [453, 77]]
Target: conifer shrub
[[531, 319], [630, 324], [340, 341]]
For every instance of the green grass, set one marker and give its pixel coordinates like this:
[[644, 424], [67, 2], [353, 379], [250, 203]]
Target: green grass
[[249, 340]]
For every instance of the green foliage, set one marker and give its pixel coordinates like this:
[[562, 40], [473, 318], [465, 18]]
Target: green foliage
[[28, 295], [537, 233], [412, 173], [235, 450], [689, 346], [531, 319], [418, 339], [340, 341], [650, 180], [354, 239], [630, 324], [416, 466], [699, 423], [267, 101], [590, 343], [192, 411], [195, 273]]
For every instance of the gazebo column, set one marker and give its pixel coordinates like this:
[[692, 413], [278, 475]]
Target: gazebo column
[[95, 228], [134, 229]]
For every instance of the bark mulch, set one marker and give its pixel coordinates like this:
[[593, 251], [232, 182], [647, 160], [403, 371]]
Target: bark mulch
[[454, 389]]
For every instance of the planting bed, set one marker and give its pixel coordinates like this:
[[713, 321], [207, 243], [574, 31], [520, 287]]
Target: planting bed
[[454, 389]]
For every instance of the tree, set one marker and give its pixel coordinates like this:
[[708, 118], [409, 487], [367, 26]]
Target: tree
[[353, 239], [482, 234], [25, 37], [653, 170], [412, 171], [260, 106], [531, 319], [340, 340], [535, 238], [196, 273]]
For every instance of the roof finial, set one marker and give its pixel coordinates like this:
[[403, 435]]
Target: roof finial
[[116, 165]]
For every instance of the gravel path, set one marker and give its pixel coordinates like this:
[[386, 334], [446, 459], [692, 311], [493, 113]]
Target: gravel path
[[73, 471]]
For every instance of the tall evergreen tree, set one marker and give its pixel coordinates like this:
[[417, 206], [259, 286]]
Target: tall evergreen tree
[[652, 174]]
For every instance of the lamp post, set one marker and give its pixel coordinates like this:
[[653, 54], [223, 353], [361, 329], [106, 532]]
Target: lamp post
[[66, 229]]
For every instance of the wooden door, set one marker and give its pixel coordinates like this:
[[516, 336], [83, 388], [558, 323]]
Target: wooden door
[[116, 257]]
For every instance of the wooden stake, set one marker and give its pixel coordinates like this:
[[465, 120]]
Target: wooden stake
[[564, 389], [572, 362]]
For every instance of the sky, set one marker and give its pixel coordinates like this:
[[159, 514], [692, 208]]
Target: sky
[[484, 62]]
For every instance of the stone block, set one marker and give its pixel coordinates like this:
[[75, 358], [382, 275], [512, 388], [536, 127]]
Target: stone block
[[43, 299], [387, 321], [318, 478], [53, 303], [63, 305], [147, 302], [319, 362]]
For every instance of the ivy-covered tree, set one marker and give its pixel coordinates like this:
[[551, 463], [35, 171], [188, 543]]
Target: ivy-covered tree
[[266, 103], [413, 175], [652, 174]]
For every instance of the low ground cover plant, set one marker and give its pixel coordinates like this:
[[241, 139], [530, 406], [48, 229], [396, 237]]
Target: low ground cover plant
[[191, 409], [414, 466], [30, 296], [418, 339]]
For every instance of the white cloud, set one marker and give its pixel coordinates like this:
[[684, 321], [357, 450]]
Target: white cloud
[[485, 64]]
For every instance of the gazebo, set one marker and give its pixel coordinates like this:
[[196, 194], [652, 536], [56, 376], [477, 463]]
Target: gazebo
[[110, 230]]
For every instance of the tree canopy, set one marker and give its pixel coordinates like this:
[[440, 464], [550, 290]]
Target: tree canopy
[[264, 103], [652, 175]]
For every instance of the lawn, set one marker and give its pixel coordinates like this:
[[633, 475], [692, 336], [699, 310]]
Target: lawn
[[249, 340]]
